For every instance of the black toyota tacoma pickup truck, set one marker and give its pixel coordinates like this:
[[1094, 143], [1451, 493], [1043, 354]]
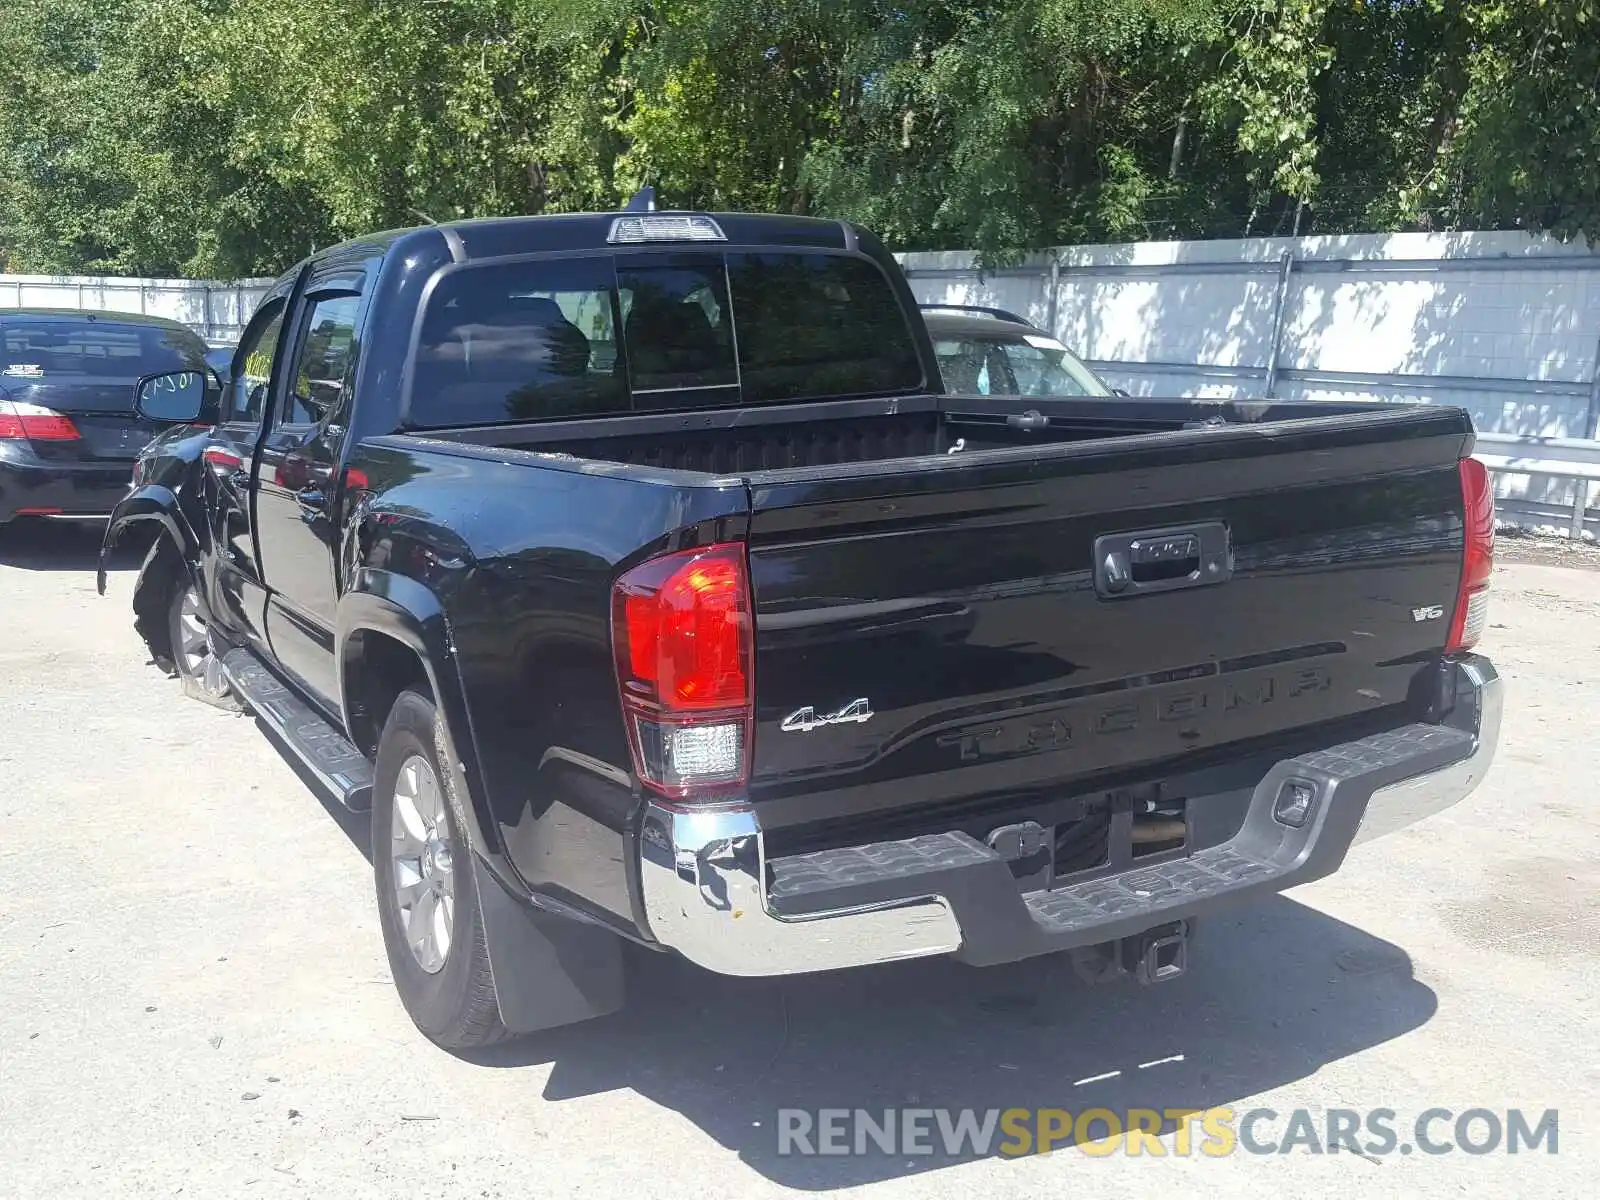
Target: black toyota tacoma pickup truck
[[635, 573]]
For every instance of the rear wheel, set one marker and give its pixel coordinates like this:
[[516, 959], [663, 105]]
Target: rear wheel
[[427, 900]]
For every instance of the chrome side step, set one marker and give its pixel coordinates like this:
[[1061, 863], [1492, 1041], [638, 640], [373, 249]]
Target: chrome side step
[[329, 755]]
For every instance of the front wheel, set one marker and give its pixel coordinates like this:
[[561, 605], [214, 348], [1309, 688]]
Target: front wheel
[[186, 631], [427, 901], [190, 642]]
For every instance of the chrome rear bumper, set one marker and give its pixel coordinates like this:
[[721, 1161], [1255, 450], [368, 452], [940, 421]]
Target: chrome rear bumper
[[1479, 700], [703, 876], [707, 883]]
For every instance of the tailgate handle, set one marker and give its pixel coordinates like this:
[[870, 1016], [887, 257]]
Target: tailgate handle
[[1162, 560]]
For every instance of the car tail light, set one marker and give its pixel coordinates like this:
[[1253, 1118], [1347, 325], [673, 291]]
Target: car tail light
[[682, 633], [19, 420], [1477, 558]]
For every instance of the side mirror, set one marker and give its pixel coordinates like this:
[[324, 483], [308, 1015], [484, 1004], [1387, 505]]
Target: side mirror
[[178, 397], [1122, 392]]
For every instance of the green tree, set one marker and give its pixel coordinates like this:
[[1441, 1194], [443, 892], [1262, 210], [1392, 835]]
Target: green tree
[[222, 137]]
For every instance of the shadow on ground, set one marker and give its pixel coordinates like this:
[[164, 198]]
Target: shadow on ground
[[357, 826], [1273, 992], [38, 545]]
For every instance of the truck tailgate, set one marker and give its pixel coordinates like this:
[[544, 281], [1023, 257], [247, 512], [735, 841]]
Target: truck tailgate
[[943, 630]]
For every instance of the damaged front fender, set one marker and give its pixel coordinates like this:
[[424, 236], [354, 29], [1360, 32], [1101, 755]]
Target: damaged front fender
[[151, 502]]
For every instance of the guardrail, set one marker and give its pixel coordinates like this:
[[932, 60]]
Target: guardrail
[[1565, 458]]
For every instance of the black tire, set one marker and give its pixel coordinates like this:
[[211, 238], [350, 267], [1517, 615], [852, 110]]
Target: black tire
[[455, 1006]]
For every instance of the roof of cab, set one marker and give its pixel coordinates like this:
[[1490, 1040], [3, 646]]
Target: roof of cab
[[497, 237]]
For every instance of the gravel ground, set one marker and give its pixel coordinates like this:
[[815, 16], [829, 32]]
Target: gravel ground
[[196, 999], [1556, 552]]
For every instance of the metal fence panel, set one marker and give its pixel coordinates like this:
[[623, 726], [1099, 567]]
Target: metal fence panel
[[216, 310], [1507, 325]]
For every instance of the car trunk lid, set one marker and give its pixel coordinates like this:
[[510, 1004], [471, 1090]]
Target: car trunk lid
[[100, 408]]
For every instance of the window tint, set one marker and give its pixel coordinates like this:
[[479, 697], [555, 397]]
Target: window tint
[[677, 326], [255, 357], [326, 354], [39, 349], [587, 337], [814, 325], [519, 341]]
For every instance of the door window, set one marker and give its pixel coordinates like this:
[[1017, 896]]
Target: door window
[[327, 352], [255, 358]]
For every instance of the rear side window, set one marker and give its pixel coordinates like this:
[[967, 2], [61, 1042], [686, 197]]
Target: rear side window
[[573, 338], [326, 355], [41, 349]]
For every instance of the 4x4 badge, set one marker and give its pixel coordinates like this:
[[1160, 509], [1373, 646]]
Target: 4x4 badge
[[804, 720]]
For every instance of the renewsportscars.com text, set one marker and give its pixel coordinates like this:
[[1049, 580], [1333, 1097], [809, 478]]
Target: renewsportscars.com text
[[1179, 1132]]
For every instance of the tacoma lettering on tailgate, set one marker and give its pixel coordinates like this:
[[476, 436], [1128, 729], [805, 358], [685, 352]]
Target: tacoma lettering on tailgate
[[1034, 733]]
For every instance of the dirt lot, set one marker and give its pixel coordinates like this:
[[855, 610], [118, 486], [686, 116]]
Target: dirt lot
[[196, 1000]]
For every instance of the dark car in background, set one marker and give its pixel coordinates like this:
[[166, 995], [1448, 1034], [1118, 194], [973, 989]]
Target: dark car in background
[[68, 432], [991, 352]]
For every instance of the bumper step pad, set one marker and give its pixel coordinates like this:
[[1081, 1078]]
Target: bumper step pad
[[879, 871], [1084, 905]]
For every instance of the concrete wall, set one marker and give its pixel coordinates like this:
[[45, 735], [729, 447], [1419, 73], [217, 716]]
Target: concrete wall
[[217, 311]]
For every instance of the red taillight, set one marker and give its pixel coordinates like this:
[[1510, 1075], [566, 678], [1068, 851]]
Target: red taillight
[[36, 424], [682, 633], [1477, 558]]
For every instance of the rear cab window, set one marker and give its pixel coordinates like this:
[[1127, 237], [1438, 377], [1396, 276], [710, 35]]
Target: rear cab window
[[638, 331]]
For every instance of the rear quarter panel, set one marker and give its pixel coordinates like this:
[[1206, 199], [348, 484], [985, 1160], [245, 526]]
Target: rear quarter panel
[[521, 550]]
